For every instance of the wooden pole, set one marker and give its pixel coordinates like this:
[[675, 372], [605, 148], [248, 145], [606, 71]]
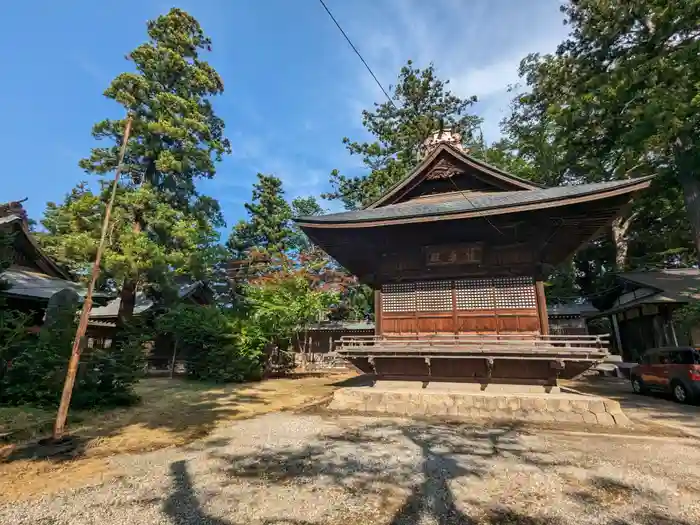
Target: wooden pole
[[172, 364], [61, 416], [542, 307]]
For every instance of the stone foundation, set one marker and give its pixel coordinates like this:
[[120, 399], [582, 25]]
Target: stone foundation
[[469, 404]]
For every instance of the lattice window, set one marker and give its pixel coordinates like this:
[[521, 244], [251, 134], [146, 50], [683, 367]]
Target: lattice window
[[515, 292], [399, 297], [474, 294], [434, 296]]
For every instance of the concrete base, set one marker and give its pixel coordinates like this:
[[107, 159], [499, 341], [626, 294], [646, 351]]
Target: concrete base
[[465, 404], [443, 386]]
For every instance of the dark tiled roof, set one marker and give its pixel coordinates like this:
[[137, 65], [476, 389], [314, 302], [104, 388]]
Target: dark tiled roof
[[460, 204], [675, 285], [143, 303], [571, 309]]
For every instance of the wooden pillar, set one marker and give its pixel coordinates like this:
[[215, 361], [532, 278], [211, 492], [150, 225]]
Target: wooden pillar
[[455, 318], [616, 333], [377, 312], [542, 308]]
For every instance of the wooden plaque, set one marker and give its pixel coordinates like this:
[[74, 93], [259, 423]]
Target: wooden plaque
[[454, 254]]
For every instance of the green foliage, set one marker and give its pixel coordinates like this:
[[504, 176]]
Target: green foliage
[[14, 325], [618, 100], [171, 241], [37, 372], [688, 316], [303, 207], [356, 303], [177, 137], [421, 105], [216, 346], [268, 229], [286, 302], [161, 224]]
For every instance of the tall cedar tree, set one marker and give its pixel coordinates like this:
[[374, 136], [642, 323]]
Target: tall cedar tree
[[267, 229], [176, 137], [421, 104]]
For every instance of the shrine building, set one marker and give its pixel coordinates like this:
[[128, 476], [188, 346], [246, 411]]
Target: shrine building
[[457, 253]]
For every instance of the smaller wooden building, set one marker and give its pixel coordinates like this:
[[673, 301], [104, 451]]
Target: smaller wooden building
[[570, 318], [642, 306], [32, 278], [103, 319]]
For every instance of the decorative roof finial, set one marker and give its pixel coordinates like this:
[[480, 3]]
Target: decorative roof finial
[[440, 136]]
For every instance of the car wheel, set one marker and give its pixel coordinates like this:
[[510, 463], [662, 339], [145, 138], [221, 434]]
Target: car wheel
[[638, 386], [680, 392]]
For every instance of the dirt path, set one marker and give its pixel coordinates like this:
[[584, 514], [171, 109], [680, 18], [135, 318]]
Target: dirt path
[[303, 469]]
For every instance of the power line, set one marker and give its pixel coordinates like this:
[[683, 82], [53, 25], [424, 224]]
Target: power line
[[358, 53], [390, 99]]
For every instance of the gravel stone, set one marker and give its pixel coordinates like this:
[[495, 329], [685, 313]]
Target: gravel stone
[[286, 468]]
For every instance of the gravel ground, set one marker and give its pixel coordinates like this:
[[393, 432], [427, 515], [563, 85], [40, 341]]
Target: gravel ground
[[288, 468]]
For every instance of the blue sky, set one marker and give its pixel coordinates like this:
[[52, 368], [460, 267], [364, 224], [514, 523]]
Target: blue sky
[[293, 87]]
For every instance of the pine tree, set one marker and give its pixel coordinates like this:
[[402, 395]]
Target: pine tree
[[176, 139], [421, 104], [268, 228]]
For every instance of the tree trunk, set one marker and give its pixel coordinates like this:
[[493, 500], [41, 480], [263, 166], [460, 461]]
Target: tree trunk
[[127, 303], [128, 292], [691, 196], [620, 228]]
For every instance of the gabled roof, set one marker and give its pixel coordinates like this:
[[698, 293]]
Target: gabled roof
[[143, 303], [27, 283], [679, 285], [13, 214], [485, 171], [571, 309], [485, 205]]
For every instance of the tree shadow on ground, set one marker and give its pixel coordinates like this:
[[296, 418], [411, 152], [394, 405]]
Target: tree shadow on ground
[[444, 454], [183, 508], [179, 411], [447, 455]]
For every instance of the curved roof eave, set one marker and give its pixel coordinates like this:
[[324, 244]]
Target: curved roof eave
[[501, 203]]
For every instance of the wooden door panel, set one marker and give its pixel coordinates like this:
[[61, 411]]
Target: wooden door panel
[[477, 323], [398, 324], [435, 323], [496, 305]]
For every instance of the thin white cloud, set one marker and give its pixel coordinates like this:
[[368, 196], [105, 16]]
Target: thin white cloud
[[476, 45]]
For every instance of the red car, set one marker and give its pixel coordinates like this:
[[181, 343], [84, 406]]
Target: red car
[[674, 370]]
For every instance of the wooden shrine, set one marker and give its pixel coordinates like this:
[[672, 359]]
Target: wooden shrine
[[457, 253]]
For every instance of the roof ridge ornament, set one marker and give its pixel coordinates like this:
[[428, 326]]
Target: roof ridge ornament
[[441, 136]]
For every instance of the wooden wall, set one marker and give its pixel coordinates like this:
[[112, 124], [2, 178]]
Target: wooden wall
[[501, 305]]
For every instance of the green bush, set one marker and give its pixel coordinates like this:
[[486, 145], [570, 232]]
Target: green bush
[[37, 372], [217, 347]]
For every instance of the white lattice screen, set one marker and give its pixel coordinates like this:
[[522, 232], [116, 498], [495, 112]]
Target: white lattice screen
[[434, 296], [515, 292], [399, 297], [470, 294], [474, 294]]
